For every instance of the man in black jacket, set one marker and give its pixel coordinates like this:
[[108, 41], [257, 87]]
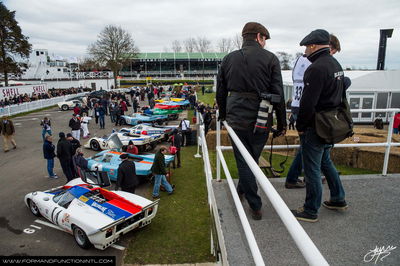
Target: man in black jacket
[[64, 154], [323, 89], [127, 179], [75, 125], [244, 75]]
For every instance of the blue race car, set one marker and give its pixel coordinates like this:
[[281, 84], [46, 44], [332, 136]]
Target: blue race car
[[109, 161], [137, 118]]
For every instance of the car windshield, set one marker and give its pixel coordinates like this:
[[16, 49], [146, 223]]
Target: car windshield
[[97, 158], [64, 199]]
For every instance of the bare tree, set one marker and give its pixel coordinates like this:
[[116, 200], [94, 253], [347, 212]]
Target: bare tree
[[203, 45], [237, 41], [225, 45], [285, 59], [190, 44], [176, 46], [113, 47]]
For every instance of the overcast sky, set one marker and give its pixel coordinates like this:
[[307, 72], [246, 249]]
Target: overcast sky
[[67, 27]]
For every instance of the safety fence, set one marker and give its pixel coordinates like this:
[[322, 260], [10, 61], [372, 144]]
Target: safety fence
[[35, 105], [306, 246]]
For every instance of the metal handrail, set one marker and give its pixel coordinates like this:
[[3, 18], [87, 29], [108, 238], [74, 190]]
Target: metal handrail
[[302, 240], [306, 246]]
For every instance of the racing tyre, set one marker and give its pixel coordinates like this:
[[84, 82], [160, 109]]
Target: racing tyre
[[64, 107], [94, 145], [81, 238], [34, 208], [160, 122], [122, 121]]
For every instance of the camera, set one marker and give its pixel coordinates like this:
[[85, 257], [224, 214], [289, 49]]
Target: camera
[[272, 98]]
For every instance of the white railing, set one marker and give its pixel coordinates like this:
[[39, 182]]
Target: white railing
[[302, 240], [14, 109], [210, 191]]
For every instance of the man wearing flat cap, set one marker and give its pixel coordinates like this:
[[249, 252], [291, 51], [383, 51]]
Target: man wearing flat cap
[[244, 78], [323, 90], [127, 179]]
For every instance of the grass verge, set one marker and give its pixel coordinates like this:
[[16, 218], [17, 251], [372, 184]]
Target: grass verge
[[180, 233], [207, 98]]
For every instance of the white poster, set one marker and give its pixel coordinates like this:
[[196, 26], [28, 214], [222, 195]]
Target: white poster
[[10, 92]]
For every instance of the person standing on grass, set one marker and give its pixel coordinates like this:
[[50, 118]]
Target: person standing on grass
[[46, 127], [176, 140], [49, 154], [159, 172]]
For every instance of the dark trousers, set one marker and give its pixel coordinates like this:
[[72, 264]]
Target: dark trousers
[[129, 189], [177, 158], [247, 185], [66, 166]]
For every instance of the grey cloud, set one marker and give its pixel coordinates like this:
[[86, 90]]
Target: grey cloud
[[68, 27]]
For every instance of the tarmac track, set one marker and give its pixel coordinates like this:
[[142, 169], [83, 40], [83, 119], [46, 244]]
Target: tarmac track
[[24, 170]]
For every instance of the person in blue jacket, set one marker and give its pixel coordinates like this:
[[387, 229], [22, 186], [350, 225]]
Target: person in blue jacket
[[49, 154]]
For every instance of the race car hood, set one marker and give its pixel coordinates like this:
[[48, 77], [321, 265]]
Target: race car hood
[[116, 140]]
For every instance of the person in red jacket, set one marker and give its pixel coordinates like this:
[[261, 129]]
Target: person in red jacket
[[123, 107], [396, 124], [132, 148], [77, 110]]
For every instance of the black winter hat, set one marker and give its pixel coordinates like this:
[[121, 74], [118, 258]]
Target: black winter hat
[[61, 135], [316, 37]]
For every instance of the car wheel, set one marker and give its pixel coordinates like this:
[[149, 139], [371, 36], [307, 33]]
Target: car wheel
[[81, 238], [64, 107], [122, 121], [34, 208], [94, 145], [160, 122]]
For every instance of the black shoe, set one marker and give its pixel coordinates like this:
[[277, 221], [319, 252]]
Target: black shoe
[[256, 215], [301, 215], [241, 196], [340, 205], [298, 184], [156, 197]]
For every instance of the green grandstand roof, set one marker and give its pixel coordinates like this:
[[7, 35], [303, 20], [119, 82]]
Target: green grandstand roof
[[172, 56]]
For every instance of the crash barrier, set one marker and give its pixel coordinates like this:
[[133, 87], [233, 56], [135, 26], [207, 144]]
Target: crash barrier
[[14, 109], [308, 249]]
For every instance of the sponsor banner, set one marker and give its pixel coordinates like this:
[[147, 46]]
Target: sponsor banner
[[10, 92]]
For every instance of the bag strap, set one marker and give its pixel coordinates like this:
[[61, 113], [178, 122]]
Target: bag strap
[[282, 164]]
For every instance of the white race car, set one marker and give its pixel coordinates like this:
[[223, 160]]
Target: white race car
[[143, 142], [93, 215], [70, 104]]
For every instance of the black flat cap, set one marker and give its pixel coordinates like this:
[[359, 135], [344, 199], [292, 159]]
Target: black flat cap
[[123, 156], [61, 135], [316, 37], [254, 28]]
